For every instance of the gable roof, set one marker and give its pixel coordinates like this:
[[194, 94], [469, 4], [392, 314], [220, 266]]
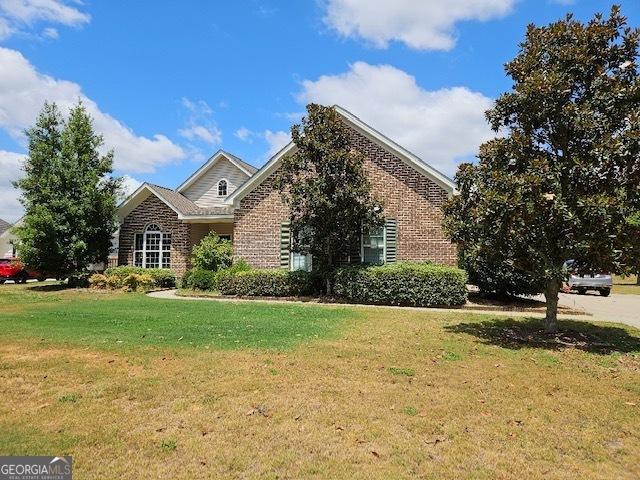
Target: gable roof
[[4, 226], [185, 208], [243, 166], [372, 134]]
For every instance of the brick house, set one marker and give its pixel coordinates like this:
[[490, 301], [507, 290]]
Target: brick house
[[159, 226]]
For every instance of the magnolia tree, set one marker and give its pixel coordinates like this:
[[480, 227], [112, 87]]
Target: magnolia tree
[[68, 193], [325, 187], [563, 179]]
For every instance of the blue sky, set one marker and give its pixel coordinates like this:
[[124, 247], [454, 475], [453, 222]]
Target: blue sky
[[169, 83]]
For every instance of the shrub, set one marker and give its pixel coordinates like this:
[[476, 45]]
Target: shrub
[[409, 284], [267, 283], [80, 280], [497, 279], [114, 282], [138, 282], [212, 253], [97, 280], [198, 279], [162, 277]]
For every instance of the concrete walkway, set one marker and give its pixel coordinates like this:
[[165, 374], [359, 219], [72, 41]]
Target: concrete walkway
[[172, 294], [614, 308]]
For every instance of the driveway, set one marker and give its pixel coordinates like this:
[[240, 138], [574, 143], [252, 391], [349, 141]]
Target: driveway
[[614, 308]]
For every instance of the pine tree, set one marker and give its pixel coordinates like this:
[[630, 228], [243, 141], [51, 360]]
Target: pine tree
[[68, 194]]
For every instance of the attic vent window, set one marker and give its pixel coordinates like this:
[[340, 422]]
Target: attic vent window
[[222, 188]]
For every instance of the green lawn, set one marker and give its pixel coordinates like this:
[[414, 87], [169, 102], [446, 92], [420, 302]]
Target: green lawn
[[136, 387], [99, 319]]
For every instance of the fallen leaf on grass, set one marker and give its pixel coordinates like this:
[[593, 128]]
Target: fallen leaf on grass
[[632, 404]]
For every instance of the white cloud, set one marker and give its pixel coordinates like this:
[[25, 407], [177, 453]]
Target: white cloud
[[15, 15], [10, 170], [211, 135], [200, 124], [50, 32], [244, 134], [276, 141], [129, 185], [23, 91], [420, 24], [443, 127]]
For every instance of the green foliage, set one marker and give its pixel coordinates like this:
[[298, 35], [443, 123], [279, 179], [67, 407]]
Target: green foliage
[[326, 190], [562, 180], [267, 283], [199, 279], [207, 280], [68, 194], [497, 279], [212, 253], [78, 280], [162, 277], [410, 284], [138, 282]]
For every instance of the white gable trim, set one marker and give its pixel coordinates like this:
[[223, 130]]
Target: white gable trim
[[392, 147], [260, 176], [220, 154], [139, 196]]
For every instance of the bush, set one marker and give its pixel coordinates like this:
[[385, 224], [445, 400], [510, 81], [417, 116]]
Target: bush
[[408, 284], [267, 283], [162, 277], [212, 253], [97, 280], [198, 279], [499, 280], [139, 282], [80, 280], [114, 282]]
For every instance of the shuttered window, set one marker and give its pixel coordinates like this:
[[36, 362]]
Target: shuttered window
[[285, 244], [380, 245]]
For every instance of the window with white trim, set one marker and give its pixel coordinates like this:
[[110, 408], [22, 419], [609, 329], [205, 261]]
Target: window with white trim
[[300, 261], [373, 247], [152, 249], [222, 188]]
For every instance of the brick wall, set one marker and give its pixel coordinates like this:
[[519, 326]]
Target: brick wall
[[153, 210], [410, 197]]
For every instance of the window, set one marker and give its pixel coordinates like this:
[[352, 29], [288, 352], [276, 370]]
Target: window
[[152, 248], [226, 237], [300, 261], [373, 244], [222, 188]]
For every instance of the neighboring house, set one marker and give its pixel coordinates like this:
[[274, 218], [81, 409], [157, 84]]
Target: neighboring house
[[7, 239], [159, 226]]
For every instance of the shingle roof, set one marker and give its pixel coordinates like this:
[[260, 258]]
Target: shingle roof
[[185, 206], [4, 226], [250, 168]]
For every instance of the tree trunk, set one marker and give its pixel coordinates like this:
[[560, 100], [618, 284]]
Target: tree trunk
[[551, 294], [638, 277]]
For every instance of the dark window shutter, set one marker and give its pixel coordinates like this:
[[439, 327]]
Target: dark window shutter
[[354, 252], [391, 234], [285, 244]]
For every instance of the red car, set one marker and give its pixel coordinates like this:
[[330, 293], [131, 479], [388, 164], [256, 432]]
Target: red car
[[12, 269]]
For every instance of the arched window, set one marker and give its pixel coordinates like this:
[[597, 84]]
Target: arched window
[[222, 188], [152, 248]]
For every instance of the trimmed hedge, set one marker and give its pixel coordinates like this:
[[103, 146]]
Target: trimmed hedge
[[267, 283], [162, 277], [199, 279], [407, 284]]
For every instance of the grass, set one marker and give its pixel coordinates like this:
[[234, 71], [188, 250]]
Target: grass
[[627, 285], [329, 392]]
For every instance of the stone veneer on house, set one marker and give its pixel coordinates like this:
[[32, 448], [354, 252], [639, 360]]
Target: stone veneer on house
[[153, 210], [408, 196]]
